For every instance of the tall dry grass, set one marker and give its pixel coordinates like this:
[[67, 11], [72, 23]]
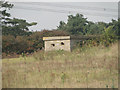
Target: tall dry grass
[[95, 67]]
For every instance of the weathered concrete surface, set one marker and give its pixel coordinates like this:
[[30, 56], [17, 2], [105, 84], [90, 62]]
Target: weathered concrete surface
[[57, 43], [56, 38], [66, 43]]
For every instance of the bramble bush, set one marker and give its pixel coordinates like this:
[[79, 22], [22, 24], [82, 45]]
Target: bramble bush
[[27, 44]]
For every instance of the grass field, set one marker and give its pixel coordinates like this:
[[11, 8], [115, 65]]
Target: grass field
[[95, 67]]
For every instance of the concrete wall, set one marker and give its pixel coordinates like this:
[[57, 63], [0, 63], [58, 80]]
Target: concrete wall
[[66, 43], [57, 45]]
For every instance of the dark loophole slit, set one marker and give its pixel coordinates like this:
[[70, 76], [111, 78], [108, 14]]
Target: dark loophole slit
[[53, 45], [62, 43]]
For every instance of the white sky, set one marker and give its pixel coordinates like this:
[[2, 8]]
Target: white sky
[[63, 0], [48, 15]]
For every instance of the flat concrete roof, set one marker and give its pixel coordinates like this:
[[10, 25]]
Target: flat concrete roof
[[56, 38], [82, 37]]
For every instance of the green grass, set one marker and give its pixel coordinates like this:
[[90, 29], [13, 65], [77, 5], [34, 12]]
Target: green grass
[[95, 67]]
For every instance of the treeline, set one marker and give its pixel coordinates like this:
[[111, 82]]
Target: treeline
[[16, 37], [31, 43], [79, 25]]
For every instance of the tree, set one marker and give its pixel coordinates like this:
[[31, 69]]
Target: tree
[[13, 26], [79, 25], [115, 25], [75, 24]]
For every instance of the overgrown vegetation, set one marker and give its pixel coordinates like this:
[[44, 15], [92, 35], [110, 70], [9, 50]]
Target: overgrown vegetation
[[92, 63], [95, 67], [17, 38], [27, 44], [79, 25]]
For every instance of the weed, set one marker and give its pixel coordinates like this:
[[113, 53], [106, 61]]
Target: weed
[[63, 77], [43, 69]]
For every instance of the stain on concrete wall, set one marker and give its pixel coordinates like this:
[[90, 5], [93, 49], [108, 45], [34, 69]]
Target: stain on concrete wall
[[57, 43]]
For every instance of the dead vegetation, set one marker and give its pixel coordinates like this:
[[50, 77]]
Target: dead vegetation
[[95, 67]]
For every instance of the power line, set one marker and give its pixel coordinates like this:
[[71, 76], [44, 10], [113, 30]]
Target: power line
[[65, 11], [73, 7]]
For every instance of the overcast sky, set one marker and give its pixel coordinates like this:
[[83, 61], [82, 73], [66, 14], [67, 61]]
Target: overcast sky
[[49, 14], [63, 0]]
